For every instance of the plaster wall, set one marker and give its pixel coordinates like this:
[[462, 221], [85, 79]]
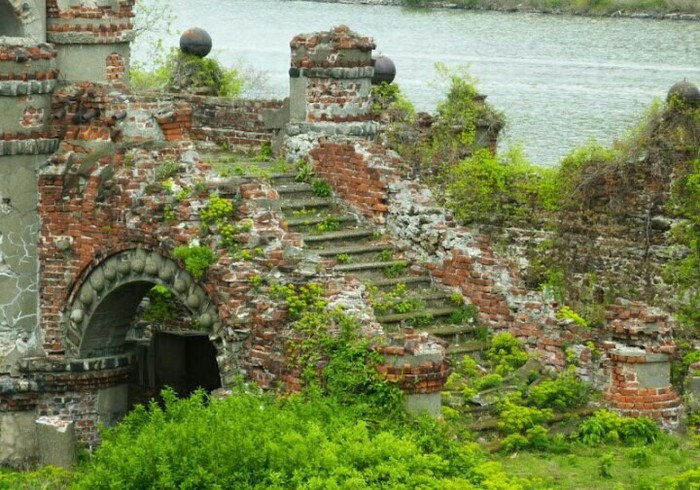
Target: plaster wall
[[74, 68], [19, 236]]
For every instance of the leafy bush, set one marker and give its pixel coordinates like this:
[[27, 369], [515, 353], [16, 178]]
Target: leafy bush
[[563, 393], [506, 353], [182, 72], [299, 442], [163, 305], [197, 259], [518, 419], [488, 188], [606, 426]]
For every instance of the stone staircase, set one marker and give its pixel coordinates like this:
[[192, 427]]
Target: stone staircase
[[401, 292]]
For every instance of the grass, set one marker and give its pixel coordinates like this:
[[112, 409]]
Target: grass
[[580, 468]]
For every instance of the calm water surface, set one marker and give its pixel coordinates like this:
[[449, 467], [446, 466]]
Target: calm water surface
[[560, 80]]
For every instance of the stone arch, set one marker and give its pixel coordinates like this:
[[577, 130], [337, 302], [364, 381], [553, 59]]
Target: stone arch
[[101, 309]]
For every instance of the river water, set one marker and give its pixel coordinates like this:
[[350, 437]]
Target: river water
[[561, 81]]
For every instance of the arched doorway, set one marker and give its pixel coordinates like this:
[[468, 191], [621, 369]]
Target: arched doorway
[[106, 318], [9, 23]]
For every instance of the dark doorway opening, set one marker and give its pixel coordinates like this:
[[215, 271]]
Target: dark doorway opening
[[183, 361]]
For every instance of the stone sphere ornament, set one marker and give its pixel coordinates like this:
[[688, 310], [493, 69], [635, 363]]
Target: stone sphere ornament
[[384, 70], [685, 91], [196, 41]]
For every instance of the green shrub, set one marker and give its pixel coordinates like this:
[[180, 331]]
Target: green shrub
[[506, 353], [197, 259], [182, 72], [487, 188], [563, 393], [518, 419], [250, 441], [162, 306], [606, 426]]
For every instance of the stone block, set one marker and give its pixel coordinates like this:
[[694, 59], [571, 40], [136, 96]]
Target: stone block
[[56, 441]]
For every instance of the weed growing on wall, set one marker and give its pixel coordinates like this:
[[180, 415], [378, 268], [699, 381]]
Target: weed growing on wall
[[197, 259]]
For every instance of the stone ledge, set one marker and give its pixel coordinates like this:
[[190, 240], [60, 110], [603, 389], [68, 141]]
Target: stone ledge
[[91, 37], [14, 88], [29, 147]]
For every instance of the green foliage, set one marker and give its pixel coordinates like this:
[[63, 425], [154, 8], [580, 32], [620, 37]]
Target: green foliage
[[386, 255], [488, 382], [684, 272], [506, 353], [321, 188], [305, 171], [162, 307], [46, 478], [343, 258], [515, 418], [306, 298], [217, 211], [328, 224], [465, 314], [396, 300], [485, 188], [563, 393], [264, 153], [167, 169], [260, 442], [197, 259], [387, 100], [605, 464], [182, 72], [397, 269], [606, 426], [640, 457], [566, 313]]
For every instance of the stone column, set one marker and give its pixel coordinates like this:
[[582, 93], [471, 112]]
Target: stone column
[[28, 77]]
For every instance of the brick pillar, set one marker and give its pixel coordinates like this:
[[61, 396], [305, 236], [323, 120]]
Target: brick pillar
[[640, 355], [92, 38], [641, 386], [417, 363], [330, 83]]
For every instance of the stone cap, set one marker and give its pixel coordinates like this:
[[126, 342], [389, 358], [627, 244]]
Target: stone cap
[[339, 47]]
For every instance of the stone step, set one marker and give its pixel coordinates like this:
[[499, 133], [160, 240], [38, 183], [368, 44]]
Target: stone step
[[333, 237], [358, 253], [290, 206], [411, 282], [427, 297], [373, 269], [467, 347], [295, 190], [308, 222], [404, 317]]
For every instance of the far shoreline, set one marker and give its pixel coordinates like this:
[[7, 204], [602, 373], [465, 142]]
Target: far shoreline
[[627, 14]]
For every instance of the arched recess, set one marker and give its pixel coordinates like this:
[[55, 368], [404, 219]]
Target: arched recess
[[101, 310], [10, 24]]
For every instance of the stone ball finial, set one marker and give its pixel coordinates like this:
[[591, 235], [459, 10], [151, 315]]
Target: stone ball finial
[[384, 70], [685, 91], [196, 41]]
